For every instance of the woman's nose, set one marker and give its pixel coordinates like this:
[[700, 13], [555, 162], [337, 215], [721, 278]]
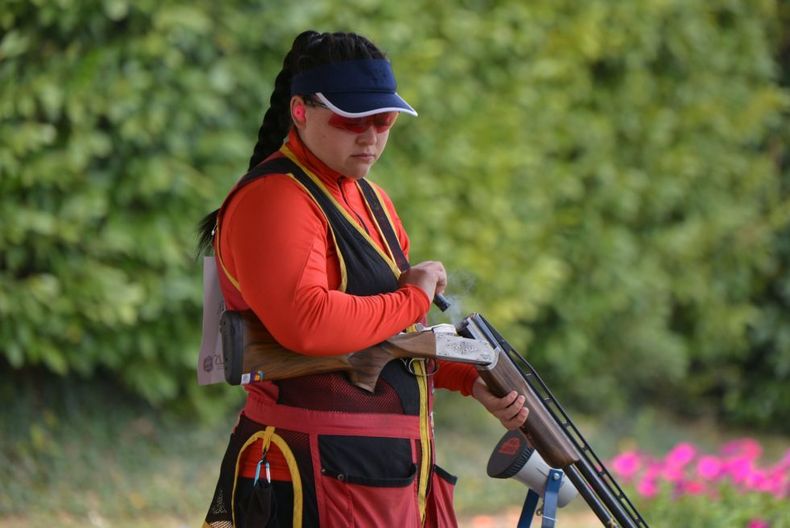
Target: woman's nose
[[368, 137]]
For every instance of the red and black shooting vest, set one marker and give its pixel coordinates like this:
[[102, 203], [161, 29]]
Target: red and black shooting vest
[[355, 458]]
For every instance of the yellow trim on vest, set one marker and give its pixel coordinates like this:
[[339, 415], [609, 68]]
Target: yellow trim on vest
[[343, 272], [230, 277], [425, 436], [376, 220], [268, 436], [389, 260], [388, 257]]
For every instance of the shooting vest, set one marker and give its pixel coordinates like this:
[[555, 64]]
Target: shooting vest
[[350, 453]]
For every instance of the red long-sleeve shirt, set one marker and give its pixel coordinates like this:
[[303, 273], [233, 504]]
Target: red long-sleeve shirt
[[277, 246]]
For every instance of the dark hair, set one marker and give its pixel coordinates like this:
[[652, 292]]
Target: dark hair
[[309, 50]]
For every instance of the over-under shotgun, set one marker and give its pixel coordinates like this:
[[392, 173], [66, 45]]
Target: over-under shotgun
[[251, 354]]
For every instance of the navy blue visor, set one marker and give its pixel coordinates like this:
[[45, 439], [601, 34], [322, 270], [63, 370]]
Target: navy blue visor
[[355, 88]]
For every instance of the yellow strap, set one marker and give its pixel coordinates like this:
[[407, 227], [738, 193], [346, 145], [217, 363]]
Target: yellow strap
[[296, 479], [425, 438], [268, 436]]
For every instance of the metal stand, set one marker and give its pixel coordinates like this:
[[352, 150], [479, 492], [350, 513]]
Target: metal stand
[[549, 510]]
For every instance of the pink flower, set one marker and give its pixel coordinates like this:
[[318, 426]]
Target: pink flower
[[709, 467], [691, 487], [680, 455], [756, 480], [647, 487], [758, 523], [627, 464], [742, 448], [672, 473], [770, 481], [739, 469], [689, 471]]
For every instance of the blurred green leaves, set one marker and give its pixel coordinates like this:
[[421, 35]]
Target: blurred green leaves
[[610, 186], [604, 180]]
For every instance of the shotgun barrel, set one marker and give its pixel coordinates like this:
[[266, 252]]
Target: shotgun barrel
[[550, 430]]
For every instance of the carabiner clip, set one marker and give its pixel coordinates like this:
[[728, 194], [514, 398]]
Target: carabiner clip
[[264, 461]]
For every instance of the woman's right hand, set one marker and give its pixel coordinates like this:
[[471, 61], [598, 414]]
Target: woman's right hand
[[429, 276]]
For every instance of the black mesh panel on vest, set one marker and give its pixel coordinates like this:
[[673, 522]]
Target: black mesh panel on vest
[[333, 392]]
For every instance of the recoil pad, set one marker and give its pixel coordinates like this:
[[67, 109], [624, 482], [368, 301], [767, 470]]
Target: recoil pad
[[231, 327]]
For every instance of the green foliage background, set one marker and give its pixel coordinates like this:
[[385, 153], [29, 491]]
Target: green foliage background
[[606, 181]]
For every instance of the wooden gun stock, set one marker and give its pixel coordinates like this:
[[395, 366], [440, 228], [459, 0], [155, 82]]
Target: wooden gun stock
[[251, 354], [550, 430]]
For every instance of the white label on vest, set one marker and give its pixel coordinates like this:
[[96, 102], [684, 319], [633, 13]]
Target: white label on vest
[[210, 368]]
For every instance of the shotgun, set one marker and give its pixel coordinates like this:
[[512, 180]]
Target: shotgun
[[251, 354], [550, 430]]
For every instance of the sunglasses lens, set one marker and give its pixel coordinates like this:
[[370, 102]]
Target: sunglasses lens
[[382, 122], [350, 124]]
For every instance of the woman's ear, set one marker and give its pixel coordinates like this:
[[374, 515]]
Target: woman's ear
[[298, 111]]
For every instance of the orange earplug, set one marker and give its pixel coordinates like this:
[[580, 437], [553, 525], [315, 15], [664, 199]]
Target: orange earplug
[[299, 112]]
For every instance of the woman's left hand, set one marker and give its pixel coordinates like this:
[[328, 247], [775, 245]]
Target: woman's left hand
[[509, 410]]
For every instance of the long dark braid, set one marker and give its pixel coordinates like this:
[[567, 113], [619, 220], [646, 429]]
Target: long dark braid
[[277, 119], [309, 49]]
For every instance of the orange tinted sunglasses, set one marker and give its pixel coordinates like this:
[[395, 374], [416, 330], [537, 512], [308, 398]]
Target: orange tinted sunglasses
[[357, 125]]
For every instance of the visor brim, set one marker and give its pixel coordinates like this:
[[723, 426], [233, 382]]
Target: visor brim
[[364, 104]]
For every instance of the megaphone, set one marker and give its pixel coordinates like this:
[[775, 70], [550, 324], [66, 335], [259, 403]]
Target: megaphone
[[513, 457]]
